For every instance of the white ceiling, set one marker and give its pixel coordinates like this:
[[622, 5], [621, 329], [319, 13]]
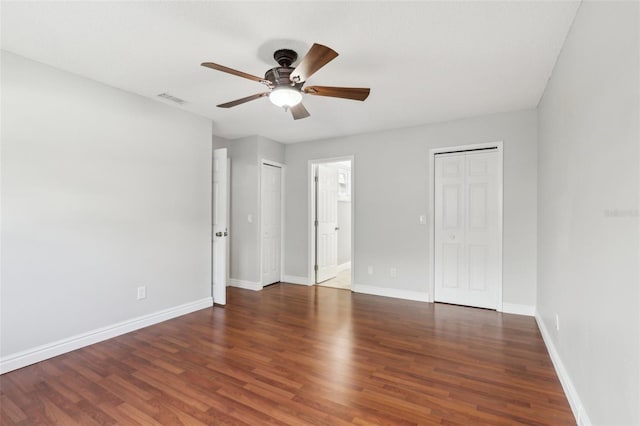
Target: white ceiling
[[424, 61]]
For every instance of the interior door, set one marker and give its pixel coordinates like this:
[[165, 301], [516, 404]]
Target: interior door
[[271, 180], [467, 228], [327, 222], [220, 225]]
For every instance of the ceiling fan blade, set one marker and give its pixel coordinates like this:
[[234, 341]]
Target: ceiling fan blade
[[355, 93], [235, 72], [299, 111], [317, 57], [243, 100]]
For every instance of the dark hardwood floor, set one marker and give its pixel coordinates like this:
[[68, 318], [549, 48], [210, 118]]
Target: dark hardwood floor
[[301, 355]]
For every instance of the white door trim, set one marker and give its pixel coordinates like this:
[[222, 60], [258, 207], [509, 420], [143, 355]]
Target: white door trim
[[283, 168], [431, 261], [311, 207]]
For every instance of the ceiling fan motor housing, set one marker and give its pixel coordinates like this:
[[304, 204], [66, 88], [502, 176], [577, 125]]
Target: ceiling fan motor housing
[[285, 57], [279, 76]]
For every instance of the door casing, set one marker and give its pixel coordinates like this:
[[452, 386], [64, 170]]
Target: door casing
[[282, 211], [431, 197], [311, 208]]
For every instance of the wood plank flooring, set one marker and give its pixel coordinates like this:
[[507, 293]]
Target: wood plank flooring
[[301, 355]]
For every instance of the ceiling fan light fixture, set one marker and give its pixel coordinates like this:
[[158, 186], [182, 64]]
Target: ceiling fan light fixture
[[285, 96]]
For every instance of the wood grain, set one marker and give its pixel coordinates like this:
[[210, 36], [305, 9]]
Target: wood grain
[[300, 355], [354, 93], [317, 57]]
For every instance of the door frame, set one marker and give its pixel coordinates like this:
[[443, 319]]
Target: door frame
[[282, 222], [311, 208], [432, 223]]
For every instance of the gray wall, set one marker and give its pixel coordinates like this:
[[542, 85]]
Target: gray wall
[[102, 191], [246, 155], [389, 184], [588, 202], [245, 192], [270, 150]]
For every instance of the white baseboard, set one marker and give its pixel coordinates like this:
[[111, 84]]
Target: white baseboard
[[40, 353], [344, 266], [515, 308], [292, 279], [569, 389], [391, 292], [247, 285]]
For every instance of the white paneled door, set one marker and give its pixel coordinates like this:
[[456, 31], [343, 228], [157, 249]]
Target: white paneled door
[[220, 225], [327, 222], [271, 196], [468, 258]]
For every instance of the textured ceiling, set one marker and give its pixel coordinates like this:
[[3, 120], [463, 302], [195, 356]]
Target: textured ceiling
[[424, 61]]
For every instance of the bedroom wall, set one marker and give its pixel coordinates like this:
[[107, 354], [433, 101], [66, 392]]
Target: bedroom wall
[[102, 191], [243, 199], [390, 184], [245, 156], [588, 221]]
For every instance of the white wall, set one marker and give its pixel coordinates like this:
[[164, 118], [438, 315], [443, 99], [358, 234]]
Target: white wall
[[102, 191], [390, 179], [246, 155], [588, 201]]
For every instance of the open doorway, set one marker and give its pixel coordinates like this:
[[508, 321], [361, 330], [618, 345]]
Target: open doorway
[[331, 217]]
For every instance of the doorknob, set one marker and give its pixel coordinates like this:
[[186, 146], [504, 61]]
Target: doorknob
[[337, 228], [218, 234]]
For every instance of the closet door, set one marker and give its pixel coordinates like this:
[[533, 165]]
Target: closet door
[[468, 260], [271, 196]]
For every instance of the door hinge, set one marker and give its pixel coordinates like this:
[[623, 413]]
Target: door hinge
[[315, 178], [315, 223], [315, 268]]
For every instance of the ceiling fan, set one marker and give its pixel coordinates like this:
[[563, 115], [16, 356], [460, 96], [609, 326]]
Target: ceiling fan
[[285, 83]]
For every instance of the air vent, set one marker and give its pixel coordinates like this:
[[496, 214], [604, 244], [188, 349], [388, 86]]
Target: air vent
[[172, 98]]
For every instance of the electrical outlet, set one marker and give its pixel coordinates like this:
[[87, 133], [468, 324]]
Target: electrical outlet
[[557, 322], [393, 272], [142, 292], [370, 270]]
